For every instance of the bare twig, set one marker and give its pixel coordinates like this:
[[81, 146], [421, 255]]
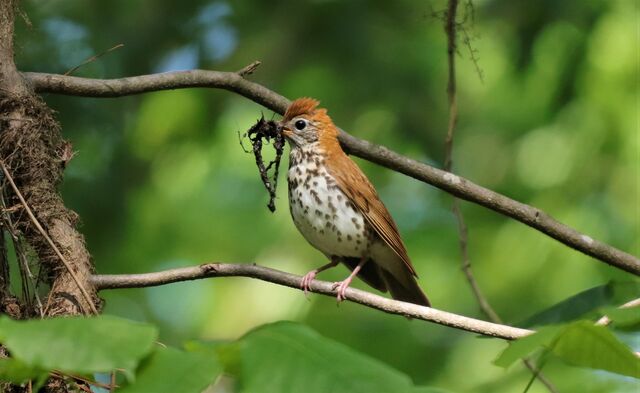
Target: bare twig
[[80, 378], [453, 184], [44, 233], [26, 276], [4, 267], [451, 27], [248, 70], [536, 372], [114, 281], [93, 58]]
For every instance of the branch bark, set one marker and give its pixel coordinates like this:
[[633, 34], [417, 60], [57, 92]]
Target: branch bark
[[36, 223], [446, 181], [209, 270]]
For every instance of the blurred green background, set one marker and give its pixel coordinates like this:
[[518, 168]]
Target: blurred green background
[[160, 180]]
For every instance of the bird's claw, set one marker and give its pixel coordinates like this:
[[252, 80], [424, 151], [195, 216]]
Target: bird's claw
[[305, 284], [341, 289]]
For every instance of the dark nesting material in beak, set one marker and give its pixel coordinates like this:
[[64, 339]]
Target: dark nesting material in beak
[[268, 130]]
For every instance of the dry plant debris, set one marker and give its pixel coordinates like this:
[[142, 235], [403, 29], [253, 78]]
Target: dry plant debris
[[267, 130]]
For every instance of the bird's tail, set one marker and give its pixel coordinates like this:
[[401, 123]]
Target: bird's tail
[[406, 290]]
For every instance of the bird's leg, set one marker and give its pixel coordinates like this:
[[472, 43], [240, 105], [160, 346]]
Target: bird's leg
[[344, 284], [305, 285]]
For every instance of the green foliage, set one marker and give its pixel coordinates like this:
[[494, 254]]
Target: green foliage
[[580, 343], [15, 371], [171, 370], [307, 362], [81, 345], [624, 318], [586, 303]]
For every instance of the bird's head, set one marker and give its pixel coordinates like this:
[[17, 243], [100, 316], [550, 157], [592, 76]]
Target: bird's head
[[305, 124]]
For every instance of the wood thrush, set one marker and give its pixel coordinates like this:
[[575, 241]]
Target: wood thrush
[[338, 210]]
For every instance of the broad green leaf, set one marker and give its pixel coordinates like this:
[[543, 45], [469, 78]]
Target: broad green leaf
[[586, 345], [584, 303], [288, 357], [580, 343], [171, 370], [524, 346], [78, 345]]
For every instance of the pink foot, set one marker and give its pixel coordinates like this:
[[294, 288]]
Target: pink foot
[[341, 287], [305, 285]]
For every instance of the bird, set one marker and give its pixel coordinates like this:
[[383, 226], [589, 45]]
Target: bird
[[338, 211]]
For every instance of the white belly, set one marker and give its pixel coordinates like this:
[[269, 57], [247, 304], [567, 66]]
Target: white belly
[[323, 214]]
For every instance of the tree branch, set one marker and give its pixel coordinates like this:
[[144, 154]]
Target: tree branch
[[446, 181], [11, 84], [208, 270]]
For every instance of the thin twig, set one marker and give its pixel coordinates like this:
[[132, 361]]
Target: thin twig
[[25, 271], [248, 70], [536, 372], [451, 32], [463, 234], [446, 181], [80, 378], [450, 29], [5, 277], [113, 281], [93, 58], [44, 233]]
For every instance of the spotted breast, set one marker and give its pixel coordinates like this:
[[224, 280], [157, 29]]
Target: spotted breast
[[320, 210]]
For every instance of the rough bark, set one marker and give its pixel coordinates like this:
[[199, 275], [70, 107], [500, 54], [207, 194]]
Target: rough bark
[[33, 151]]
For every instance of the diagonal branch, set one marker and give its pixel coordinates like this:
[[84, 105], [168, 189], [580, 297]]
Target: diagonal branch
[[209, 270], [446, 181]]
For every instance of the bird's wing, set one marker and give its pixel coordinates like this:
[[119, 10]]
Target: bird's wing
[[355, 185]]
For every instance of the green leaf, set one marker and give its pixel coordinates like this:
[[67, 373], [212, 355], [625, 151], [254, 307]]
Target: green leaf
[[78, 345], [524, 346], [624, 318], [15, 371], [580, 305], [171, 370], [288, 357], [586, 345], [580, 343], [424, 389]]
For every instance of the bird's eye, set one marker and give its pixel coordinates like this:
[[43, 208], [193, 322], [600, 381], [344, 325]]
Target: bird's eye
[[300, 125]]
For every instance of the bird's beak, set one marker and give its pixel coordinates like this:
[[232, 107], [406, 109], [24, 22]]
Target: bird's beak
[[285, 131]]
